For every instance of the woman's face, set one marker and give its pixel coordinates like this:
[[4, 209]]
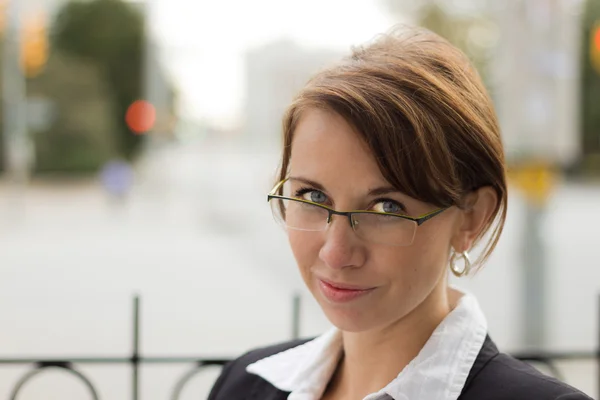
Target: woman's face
[[361, 285]]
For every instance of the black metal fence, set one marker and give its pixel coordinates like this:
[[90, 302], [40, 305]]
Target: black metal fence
[[199, 364]]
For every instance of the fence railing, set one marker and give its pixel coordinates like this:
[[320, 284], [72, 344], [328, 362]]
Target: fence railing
[[199, 364]]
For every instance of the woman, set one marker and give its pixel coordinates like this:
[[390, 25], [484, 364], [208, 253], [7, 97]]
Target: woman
[[403, 134]]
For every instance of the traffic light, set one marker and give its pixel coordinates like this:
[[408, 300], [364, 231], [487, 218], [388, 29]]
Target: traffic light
[[34, 51], [140, 117], [595, 46]]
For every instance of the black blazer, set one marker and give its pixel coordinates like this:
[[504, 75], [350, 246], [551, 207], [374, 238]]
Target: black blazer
[[494, 376]]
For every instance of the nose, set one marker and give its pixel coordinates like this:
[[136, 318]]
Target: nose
[[341, 247]]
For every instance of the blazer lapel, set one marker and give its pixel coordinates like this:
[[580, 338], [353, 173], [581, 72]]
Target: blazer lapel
[[263, 390], [487, 352]]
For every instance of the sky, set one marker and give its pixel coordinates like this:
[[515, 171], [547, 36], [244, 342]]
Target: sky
[[202, 43]]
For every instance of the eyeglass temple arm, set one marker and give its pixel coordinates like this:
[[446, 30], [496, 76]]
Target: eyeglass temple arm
[[429, 216], [276, 188]]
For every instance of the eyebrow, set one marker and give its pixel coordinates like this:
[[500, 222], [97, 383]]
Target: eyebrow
[[309, 182], [380, 191]]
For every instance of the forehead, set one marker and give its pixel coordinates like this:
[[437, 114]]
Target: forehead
[[326, 148]]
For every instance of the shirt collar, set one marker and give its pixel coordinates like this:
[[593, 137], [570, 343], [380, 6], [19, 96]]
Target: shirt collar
[[439, 371]]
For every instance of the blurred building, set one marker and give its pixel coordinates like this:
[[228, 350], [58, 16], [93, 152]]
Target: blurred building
[[537, 78], [274, 74], [158, 87], [533, 68]]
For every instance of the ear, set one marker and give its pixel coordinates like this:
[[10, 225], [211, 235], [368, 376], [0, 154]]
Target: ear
[[475, 215]]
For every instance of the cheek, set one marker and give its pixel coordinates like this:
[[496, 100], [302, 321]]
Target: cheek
[[413, 267], [432, 246], [401, 266], [305, 247]]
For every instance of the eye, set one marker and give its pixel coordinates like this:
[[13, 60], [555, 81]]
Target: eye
[[389, 206], [316, 196]]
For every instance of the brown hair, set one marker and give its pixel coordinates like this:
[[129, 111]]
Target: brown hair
[[423, 111]]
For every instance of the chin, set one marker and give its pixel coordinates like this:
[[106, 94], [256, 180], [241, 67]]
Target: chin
[[349, 317]]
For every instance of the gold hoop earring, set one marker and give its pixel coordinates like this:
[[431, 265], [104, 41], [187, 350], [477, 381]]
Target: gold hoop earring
[[467, 261]]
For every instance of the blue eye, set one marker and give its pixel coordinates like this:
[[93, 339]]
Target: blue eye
[[316, 196], [389, 206]]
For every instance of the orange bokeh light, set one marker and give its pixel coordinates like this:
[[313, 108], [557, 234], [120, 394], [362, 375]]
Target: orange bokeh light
[[597, 38], [140, 117]]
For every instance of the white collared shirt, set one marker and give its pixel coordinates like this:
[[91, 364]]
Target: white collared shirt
[[439, 371]]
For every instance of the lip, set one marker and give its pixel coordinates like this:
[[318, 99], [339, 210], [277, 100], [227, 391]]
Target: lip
[[342, 292]]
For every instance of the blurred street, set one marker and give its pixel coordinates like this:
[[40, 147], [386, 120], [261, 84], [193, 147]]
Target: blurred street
[[72, 258], [202, 250]]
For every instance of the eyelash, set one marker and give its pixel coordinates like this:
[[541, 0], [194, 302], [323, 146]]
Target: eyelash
[[303, 190]]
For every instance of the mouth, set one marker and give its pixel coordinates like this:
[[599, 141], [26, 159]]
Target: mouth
[[341, 292]]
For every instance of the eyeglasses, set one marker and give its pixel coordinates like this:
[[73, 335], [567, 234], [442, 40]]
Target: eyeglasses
[[373, 226]]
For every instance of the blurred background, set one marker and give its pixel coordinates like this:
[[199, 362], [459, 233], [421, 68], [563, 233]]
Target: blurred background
[[139, 140]]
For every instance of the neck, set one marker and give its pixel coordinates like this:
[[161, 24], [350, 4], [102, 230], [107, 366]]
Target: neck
[[374, 358]]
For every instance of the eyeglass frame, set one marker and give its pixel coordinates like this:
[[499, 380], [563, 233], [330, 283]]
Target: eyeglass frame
[[418, 220]]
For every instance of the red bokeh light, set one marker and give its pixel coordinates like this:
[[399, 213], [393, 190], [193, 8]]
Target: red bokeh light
[[140, 117]]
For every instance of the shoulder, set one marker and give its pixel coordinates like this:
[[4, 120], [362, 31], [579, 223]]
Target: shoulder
[[502, 377], [235, 381]]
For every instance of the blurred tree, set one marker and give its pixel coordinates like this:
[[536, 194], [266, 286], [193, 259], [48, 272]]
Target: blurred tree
[[109, 33], [70, 117], [590, 85]]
